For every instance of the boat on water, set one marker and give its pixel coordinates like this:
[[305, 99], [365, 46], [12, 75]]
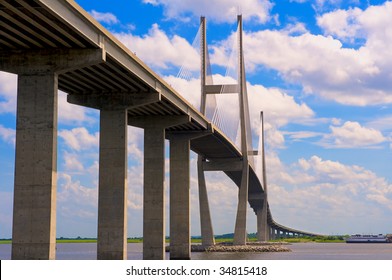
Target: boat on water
[[367, 238]]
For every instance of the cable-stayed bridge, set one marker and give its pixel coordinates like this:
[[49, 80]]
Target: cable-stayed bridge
[[54, 45]]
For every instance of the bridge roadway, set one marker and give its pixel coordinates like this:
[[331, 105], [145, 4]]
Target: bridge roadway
[[57, 45]]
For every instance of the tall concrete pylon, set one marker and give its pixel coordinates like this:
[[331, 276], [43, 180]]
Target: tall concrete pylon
[[207, 232], [240, 233]]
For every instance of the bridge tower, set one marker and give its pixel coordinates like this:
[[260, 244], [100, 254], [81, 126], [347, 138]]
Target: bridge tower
[[240, 233]]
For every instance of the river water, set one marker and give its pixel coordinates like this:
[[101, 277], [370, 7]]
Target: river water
[[300, 251]]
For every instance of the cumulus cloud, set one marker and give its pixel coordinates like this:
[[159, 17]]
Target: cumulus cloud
[[219, 11], [72, 162], [190, 90], [7, 134], [352, 135], [342, 23], [327, 190], [107, 18], [8, 87], [77, 206], [159, 51], [323, 65], [79, 138]]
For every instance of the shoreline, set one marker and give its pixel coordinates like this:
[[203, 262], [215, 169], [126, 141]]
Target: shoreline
[[251, 247]]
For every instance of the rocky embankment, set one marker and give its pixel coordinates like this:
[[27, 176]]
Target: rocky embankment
[[255, 247]]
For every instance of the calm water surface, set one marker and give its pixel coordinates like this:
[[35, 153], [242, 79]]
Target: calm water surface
[[300, 251]]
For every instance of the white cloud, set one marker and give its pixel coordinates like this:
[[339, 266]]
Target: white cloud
[[158, 50], [7, 134], [190, 90], [329, 191], [72, 163], [107, 18], [75, 200], [135, 143], [8, 87], [79, 138], [321, 65], [219, 10], [341, 23], [371, 24], [352, 135], [279, 108]]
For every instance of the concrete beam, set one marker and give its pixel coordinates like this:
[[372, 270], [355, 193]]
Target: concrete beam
[[222, 89], [180, 242], [34, 218], [111, 101], [49, 60], [191, 135], [158, 121], [233, 164], [112, 198]]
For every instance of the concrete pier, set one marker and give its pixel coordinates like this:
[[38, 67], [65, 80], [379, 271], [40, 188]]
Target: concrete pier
[[112, 199], [154, 197], [180, 243], [34, 218], [262, 224], [154, 181]]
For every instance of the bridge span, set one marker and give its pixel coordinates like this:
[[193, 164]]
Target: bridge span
[[56, 45]]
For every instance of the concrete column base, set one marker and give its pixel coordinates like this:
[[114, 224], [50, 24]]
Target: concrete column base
[[112, 198], [34, 218]]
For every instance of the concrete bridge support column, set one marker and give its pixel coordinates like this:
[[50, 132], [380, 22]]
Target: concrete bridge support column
[[34, 218], [112, 199], [180, 243], [240, 233], [262, 224], [207, 233], [154, 196]]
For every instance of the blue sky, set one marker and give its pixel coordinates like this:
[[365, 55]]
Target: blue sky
[[320, 70]]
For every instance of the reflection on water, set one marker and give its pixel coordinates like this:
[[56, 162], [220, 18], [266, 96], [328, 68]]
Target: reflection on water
[[300, 251]]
